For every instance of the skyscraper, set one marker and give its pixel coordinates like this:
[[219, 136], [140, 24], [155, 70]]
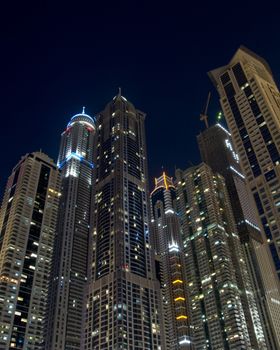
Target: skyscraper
[[71, 252], [251, 104], [27, 225], [123, 294], [217, 151], [169, 250], [216, 269]]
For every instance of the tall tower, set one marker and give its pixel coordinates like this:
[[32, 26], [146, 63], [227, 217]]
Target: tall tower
[[169, 250], [214, 262], [27, 225], [71, 252], [251, 103], [123, 295], [217, 151]]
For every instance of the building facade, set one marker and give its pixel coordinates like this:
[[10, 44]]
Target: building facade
[[70, 262], [250, 101], [123, 309], [215, 264], [217, 151], [169, 252], [27, 225]]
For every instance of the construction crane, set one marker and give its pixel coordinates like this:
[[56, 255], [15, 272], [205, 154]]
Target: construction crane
[[204, 116]]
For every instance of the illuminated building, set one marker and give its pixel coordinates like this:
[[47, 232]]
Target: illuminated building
[[123, 295], [217, 151], [169, 251], [213, 261], [250, 101], [71, 251], [27, 225]]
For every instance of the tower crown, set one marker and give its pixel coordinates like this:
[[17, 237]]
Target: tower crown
[[163, 181], [120, 101], [253, 63], [82, 118]]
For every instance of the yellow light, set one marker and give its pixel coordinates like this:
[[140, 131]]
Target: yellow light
[[165, 182], [179, 298], [181, 317], [177, 281]]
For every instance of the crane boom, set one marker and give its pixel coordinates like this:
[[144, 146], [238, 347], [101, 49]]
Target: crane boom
[[204, 116]]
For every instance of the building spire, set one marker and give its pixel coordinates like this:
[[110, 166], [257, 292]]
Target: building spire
[[120, 91], [83, 112]]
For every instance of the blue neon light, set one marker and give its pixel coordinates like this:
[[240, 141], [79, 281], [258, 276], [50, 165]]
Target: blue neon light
[[83, 115], [75, 156]]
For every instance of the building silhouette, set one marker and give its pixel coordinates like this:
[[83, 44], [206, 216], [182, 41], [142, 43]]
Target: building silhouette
[[216, 270], [123, 294], [169, 253], [69, 276], [28, 226], [250, 101], [217, 151]]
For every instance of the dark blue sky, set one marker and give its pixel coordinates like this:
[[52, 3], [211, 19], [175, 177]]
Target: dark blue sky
[[54, 60]]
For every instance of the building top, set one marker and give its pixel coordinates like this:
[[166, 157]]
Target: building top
[[216, 128], [196, 168], [119, 102], [82, 118], [40, 156], [121, 98], [242, 54], [248, 52], [163, 181]]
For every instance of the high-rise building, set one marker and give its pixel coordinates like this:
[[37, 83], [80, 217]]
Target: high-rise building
[[27, 225], [71, 251], [169, 251], [216, 268], [250, 101], [217, 151], [123, 295]]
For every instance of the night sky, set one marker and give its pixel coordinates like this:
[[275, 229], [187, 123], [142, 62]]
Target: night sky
[[54, 60]]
